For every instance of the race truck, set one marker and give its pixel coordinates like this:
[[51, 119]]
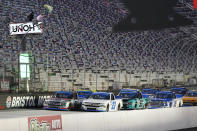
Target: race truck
[[149, 92], [179, 90], [132, 99], [165, 99], [82, 95], [190, 98], [62, 100], [102, 101]]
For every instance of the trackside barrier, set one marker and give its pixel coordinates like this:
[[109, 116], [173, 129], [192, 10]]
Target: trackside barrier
[[14, 101], [135, 120]]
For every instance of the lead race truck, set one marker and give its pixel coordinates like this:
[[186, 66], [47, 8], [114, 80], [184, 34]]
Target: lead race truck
[[102, 101]]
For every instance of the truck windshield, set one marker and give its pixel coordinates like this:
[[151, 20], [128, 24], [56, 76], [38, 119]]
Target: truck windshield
[[64, 95], [100, 96], [149, 91], [179, 90], [160, 95], [84, 93], [192, 94], [128, 95]]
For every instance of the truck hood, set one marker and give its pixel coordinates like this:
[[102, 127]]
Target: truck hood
[[179, 95], [189, 98], [57, 99], [95, 101], [148, 95], [161, 99]]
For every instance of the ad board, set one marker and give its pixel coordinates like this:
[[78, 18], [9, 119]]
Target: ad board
[[25, 28], [45, 123]]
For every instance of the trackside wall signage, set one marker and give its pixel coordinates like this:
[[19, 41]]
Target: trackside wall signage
[[24, 28], [25, 101], [45, 123]]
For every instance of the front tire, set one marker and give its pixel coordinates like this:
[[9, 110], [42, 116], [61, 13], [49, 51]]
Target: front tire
[[107, 108], [70, 107], [135, 107]]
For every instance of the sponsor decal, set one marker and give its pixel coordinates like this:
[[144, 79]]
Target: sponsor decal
[[45, 123], [25, 101], [24, 28], [195, 4], [8, 102], [41, 99]]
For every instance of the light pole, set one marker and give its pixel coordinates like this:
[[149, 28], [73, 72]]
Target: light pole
[[23, 45]]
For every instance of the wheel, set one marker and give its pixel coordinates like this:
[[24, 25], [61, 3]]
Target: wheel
[[135, 107], [170, 105], [146, 106], [118, 107], [107, 108], [70, 107], [180, 104]]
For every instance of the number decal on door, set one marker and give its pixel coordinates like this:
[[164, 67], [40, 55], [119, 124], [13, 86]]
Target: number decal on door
[[113, 105], [141, 102]]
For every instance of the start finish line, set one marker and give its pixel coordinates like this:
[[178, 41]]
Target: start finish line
[[25, 28]]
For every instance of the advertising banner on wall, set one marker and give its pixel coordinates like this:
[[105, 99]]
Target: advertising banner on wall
[[25, 28], [195, 4], [25, 101], [45, 123]]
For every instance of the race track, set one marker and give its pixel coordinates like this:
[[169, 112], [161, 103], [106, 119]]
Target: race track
[[14, 113], [162, 119]]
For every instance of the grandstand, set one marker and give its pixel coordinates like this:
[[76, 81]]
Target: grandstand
[[78, 48]]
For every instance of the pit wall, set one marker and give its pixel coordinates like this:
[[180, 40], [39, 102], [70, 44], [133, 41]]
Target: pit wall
[[139, 120]]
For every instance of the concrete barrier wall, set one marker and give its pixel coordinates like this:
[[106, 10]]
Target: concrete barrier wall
[[139, 120], [14, 124], [8, 101]]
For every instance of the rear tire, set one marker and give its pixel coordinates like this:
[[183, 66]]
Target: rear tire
[[170, 104], [107, 108], [118, 107], [180, 104], [146, 106]]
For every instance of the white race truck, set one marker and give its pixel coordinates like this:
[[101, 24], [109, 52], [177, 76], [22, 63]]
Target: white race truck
[[102, 101]]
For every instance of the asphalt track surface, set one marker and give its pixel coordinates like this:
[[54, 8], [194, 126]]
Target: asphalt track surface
[[16, 113]]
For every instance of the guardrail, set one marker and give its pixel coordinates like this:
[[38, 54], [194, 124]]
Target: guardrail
[[135, 120]]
